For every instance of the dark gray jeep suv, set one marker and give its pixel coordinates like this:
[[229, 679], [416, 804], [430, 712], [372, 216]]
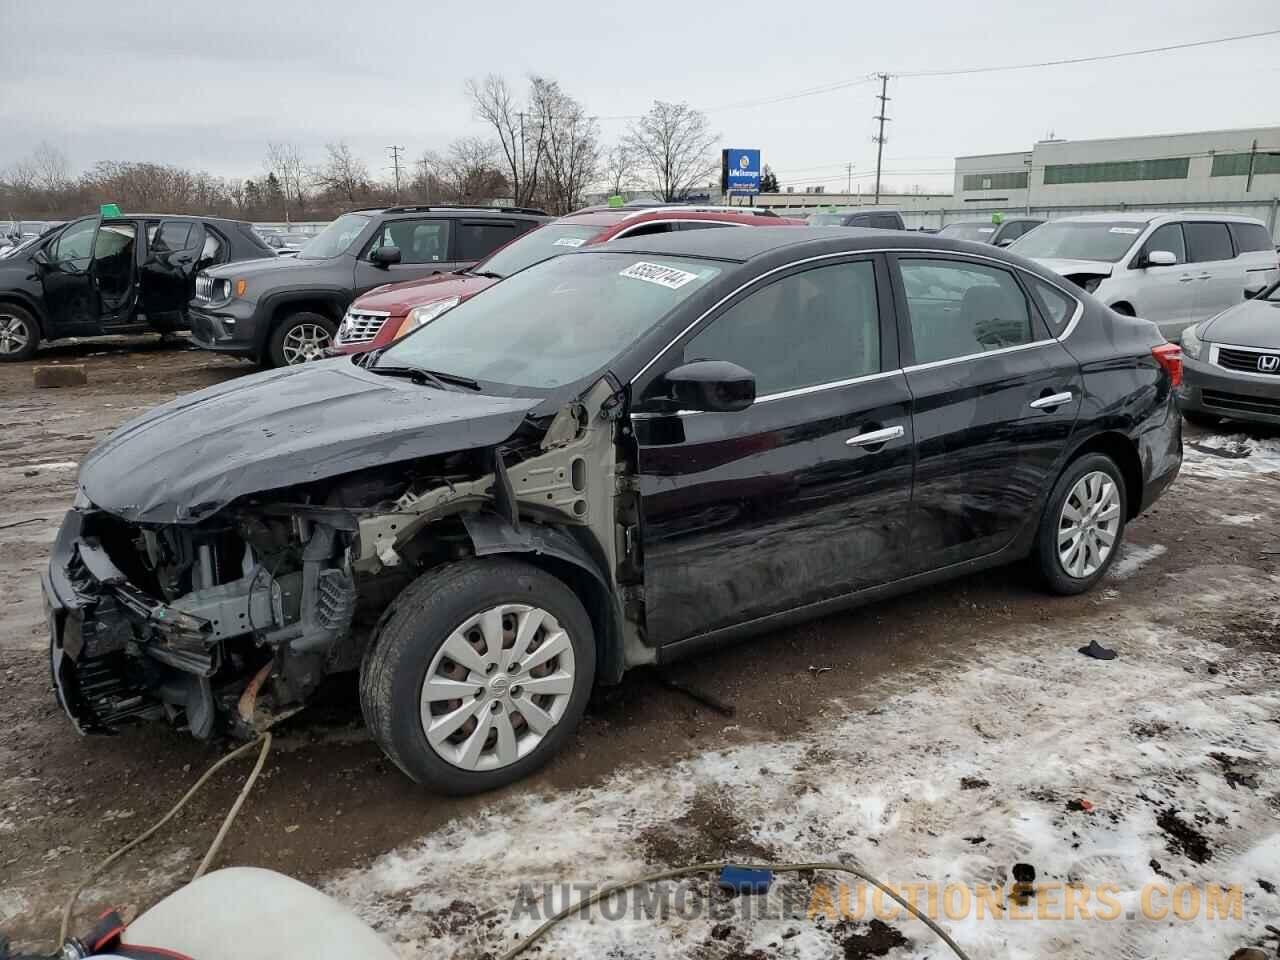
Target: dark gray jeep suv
[[286, 311]]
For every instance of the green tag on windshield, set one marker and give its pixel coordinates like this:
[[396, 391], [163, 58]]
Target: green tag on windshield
[[109, 210], [997, 218], [616, 201]]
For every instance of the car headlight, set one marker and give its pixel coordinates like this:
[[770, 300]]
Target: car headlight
[[428, 312], [1192, 345]]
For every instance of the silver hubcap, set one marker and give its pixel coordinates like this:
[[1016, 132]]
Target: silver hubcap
[[14, 335], [497, 686], [306, 341], [1088, 524]]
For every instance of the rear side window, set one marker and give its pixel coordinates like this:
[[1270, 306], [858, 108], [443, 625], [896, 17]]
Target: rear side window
[[213, 250], [810, 328], [1207, 242], [477, 240], [958, 309], [1169, 239], [885, 221], [1056, 306], [172, 236], [647, 229], [1250, 237]]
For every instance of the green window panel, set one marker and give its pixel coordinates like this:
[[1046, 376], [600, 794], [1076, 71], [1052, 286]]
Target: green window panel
[[1237, 164], [996, 181], [1167, 168]]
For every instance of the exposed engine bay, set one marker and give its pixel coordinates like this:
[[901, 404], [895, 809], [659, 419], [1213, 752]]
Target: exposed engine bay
[[231, 622]]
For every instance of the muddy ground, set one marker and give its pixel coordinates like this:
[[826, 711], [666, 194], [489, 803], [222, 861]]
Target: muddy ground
[[329, 801]]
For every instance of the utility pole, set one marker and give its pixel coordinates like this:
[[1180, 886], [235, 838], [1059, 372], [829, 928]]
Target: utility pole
[[849, 170], [879, 138], [1253, 155], [395, 165], [520, 173]]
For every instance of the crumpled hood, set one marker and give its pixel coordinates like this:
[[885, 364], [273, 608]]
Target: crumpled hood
[[191, 457], [1093, 268], [399, 298], [1253, 323]]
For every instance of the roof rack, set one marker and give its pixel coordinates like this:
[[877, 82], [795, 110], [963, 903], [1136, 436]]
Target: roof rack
[[421, 208], [699, 208]]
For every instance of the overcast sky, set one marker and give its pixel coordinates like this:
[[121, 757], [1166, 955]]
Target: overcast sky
[[206, 85]]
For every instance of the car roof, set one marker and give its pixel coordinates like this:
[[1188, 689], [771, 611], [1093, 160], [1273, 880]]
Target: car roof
[[445, 209], [742, 245], [1147, 217]]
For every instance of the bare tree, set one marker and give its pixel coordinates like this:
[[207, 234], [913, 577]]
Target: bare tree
[[343, 174], [467, 172], [285, 163], [49, 164], [616, 168], [520, 136], [571, 141], [673, 144]]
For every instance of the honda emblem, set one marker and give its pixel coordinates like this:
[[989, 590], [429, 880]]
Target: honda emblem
[[1268, 363]]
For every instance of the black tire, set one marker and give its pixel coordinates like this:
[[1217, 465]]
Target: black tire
[[14, 318], [1206, 420], [276, 349], [1054, 573], [417, 625]]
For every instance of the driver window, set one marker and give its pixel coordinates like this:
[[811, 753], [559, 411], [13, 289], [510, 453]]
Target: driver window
[[419, 241], [1168, 237], [76, 242]]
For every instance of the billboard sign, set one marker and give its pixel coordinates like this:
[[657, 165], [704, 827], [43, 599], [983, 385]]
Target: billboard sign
[[740, 171]]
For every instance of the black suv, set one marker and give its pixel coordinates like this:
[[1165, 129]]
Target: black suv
[[287, 311], [878, 218], [95, 276]]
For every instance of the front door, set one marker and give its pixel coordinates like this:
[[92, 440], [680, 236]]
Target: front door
[[1167, 294], [66, 274], [426, 248], [804, 496], [995, 400], [168, 269]]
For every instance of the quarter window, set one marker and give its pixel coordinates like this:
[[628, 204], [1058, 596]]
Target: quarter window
[[958, 309], [419, 241], [1056, 306], [1250, 237], [1207, 242], [819, 326], [477, 240], [1169, 239]]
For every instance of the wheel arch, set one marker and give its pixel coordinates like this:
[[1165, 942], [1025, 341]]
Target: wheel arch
[[19, 299], [327, 303], [1123, 451]]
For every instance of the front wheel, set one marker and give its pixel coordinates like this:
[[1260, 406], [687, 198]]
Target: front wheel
[[19, 334], [299, 338], [1082, 525], [479, 673]]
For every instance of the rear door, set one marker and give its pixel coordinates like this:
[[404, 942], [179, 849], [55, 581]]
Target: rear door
[[70, 292], [168, 269], [476, 239], [995, 401], [1219, 274], [1257, 252], [425, 245], [1167, 296], [801, 498]]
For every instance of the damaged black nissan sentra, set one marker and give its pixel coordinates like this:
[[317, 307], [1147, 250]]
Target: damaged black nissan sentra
[[612, 458]]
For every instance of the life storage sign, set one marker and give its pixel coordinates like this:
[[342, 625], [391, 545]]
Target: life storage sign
[[740, 170]]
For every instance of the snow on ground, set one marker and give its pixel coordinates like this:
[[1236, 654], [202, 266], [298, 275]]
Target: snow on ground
[[1230, 456], [979, 766], [1133, 557]]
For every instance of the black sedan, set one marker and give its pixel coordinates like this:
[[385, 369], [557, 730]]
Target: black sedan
[[1233, 364], [612, 458]]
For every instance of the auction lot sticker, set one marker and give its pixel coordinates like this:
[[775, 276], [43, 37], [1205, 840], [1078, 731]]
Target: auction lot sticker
[[569, 242], [668, 277]]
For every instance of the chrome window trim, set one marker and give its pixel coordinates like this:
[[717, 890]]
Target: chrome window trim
[[932, 364], [1267, 377], [785, 394], [623, 234], [1070, 328]]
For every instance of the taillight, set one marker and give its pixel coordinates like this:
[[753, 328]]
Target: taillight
[[1169, 356]]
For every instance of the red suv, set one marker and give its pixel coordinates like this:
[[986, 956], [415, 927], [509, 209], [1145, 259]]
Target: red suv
[[388, 313]]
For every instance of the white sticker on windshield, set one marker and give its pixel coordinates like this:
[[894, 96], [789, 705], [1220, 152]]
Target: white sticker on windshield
[[569, 242], [986, 229], [1127, 231], [668, 277]]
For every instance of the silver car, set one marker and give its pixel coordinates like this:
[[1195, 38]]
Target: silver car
[[1172, 269], [1231, 363]]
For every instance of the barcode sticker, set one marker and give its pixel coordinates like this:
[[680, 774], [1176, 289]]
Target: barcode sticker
[[569, 242], [668, 277], [1127, 231]]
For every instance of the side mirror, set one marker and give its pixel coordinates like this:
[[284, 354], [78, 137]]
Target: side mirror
[[714, 386], [386, 256], [1254, 291], [1004, 241], [1160, 258]]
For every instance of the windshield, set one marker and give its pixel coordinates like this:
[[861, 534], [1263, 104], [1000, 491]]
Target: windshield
[[827, 220], [1103, 240], [981, 232], [23, 245], [554, 323], [536, 246], [335, 239]]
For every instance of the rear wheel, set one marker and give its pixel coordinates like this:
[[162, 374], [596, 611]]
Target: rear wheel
[[19, 334], [1083, 524], [479, 673], [300, 337], [1206, 420]]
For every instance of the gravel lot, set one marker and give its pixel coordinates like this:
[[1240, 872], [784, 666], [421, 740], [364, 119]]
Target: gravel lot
[[937, 738]]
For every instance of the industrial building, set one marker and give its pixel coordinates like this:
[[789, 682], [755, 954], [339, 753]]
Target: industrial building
[[1230, 171]]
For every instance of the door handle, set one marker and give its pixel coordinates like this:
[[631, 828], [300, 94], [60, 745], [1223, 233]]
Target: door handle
[[1054, 400], [873, 437], [1204, 276], [1185, 279]]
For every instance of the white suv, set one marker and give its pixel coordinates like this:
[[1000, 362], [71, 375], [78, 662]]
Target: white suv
[[1172, 269]]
